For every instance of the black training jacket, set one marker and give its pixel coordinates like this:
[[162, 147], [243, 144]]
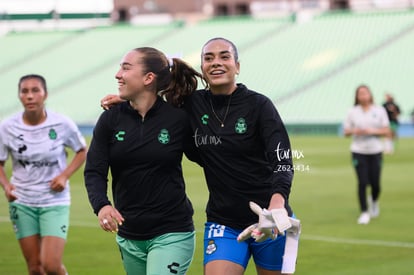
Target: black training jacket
[[249, 159], [144, 157]]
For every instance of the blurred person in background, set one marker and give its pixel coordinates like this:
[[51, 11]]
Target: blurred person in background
[[412, 116], [38, 190], [367, 123], [393, 111], [142, 140]]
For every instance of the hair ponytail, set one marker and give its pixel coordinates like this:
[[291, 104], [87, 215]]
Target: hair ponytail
[[183, 82], [175, 78]]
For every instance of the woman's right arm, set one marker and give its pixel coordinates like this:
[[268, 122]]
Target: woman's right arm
[[96, 176], [97, 165], [7, 186]]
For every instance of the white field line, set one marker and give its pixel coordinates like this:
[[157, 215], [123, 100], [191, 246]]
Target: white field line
[[302, 237], [356, 241]]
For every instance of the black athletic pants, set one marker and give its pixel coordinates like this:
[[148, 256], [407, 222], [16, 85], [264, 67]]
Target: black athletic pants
[[368, 170]]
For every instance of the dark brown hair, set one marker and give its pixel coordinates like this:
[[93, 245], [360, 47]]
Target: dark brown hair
[[36, 76], [175, 81], [356, 94], [232, 45]]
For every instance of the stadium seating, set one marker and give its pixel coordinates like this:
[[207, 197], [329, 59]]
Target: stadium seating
[[380, 59], [79, 69], [310, 70]]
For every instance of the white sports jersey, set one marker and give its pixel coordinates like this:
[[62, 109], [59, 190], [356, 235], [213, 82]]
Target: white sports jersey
[[374, 117], [38, 155]]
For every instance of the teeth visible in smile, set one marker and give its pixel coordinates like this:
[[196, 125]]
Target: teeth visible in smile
[[217, 72]]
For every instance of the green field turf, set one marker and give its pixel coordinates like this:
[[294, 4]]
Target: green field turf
[[324, 198]]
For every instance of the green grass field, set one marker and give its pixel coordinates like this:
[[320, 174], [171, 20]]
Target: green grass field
[[323, 198]]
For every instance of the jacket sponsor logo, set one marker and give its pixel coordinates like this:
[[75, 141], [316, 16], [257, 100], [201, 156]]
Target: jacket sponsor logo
[[120, 135], [205, 139], [204, 119]]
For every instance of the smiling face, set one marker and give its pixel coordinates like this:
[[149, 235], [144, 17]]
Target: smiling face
[[220, 66], [131, 77]]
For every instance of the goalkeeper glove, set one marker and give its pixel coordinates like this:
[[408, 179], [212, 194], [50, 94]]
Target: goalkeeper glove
[[268, 220]]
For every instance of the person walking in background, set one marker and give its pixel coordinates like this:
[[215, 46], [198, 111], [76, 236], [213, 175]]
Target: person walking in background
[[367, 123], [38, 190], [393, 111], [142, 140]]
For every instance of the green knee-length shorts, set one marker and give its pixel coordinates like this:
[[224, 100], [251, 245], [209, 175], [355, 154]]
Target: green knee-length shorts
[[167, 254]]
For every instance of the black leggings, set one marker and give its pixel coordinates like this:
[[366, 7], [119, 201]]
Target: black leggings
[[368, 170]]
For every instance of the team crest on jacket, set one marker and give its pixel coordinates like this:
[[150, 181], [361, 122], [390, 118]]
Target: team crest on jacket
[[164, 136], [211, 247], [52, 134], [241, 126]]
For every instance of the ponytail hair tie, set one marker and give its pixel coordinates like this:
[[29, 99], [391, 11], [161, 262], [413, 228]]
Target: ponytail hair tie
[[170, 58], [170, 62]]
